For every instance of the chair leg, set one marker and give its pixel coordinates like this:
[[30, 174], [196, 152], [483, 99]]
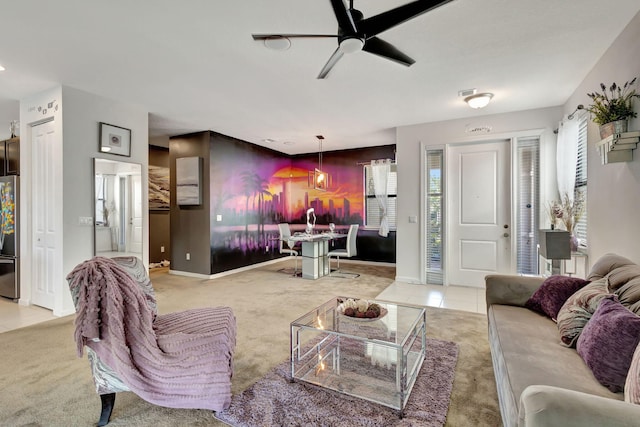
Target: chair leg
[[337, 269], [108, 401]]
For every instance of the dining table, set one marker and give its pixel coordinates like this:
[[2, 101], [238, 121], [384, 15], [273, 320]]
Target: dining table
[[315, 252]]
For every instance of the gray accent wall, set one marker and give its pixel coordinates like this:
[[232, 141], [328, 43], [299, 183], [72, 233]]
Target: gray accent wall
[[190, 224]]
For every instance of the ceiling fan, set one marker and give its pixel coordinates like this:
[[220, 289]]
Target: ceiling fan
[[356, 33]]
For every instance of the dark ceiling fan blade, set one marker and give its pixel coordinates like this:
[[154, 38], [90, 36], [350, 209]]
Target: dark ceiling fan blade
[[376, 24], [291, 36], [387, 50], [335, 57], [343, 16]]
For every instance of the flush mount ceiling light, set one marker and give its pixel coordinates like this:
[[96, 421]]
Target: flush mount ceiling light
[[478, 100], [351, 45]]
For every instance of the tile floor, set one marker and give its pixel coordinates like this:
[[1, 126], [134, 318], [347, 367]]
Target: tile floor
[[454, 297], [14, 316]]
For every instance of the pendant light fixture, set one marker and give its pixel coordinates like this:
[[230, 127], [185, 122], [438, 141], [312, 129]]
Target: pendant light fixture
[[318, 178]]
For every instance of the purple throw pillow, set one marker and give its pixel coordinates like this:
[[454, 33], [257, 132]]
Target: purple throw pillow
[[553, 293], [608, 341]]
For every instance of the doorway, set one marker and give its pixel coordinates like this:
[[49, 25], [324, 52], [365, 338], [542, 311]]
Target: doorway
[[479, 212], [46, 268]]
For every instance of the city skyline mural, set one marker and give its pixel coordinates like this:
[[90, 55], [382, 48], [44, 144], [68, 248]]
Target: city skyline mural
[[254, 188]]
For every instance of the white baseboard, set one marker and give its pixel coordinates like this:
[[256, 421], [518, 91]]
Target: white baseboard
[[63, 313], [226, 273], [272, 261]]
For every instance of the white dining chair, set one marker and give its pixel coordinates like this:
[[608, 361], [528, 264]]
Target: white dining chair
[[348, 252], [287, 245]]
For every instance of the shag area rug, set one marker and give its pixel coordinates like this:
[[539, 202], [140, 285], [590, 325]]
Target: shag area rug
[[276, 401]]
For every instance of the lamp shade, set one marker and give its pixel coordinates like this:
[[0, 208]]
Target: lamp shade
[[554, 244], [479, 100]]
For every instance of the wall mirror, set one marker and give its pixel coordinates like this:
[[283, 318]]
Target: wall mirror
[[117, 208]]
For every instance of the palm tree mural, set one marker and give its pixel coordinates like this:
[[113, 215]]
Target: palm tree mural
[[248, 186], [262, 192]]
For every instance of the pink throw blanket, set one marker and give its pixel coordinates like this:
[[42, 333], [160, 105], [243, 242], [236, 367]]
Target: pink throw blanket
[[182, 360]]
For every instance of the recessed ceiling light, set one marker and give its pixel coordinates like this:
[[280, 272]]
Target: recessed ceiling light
[[268, 140], [1, 68], [288, 143], [277, 43]]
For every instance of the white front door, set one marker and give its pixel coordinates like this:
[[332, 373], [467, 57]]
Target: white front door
[[47, 182], [479, 195], [135, 220]]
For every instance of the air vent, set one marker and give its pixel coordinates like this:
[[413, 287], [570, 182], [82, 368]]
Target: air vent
[[467, 92], [478, 129]]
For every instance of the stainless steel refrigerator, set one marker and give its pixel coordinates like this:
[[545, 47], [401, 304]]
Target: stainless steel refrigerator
[[9, 266]]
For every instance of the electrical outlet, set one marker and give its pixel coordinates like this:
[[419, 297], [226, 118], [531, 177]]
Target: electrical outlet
[[218, 218], [188, 256], [85, 220], [162, 249]]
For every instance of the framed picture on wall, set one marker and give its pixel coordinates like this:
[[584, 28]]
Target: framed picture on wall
[[115, 140], [159, 188], [188, 181]]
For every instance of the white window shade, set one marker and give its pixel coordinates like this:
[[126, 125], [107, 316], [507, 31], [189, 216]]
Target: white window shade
[[373, 213]]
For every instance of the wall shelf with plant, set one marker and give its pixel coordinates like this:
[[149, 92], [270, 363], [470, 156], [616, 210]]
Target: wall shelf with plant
[[611, 110]]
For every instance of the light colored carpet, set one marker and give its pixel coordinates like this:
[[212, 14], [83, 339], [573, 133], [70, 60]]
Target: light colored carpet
[[45, 384]]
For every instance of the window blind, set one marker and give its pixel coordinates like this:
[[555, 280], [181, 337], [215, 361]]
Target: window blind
[[580, 228], [528, 200], [434, 211]]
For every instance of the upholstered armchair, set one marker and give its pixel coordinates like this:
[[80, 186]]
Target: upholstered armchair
[[177, 360]]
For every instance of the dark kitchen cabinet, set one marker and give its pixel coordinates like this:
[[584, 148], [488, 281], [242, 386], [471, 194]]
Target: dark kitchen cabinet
[[12, 156]]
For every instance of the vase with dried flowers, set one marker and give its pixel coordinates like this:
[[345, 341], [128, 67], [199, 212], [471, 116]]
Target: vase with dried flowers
[[612, 108], [569, 211]]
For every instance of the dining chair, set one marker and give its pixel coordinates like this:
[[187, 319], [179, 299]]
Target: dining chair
[[348, 252], [286, 245]]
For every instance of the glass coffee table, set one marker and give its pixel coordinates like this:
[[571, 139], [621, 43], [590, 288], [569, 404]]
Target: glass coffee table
[[374, 359]]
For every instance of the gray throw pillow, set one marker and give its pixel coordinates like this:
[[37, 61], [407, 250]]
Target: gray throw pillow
[[578, 309]]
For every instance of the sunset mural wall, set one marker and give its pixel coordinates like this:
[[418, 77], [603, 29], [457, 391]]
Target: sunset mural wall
[[254, 188]]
